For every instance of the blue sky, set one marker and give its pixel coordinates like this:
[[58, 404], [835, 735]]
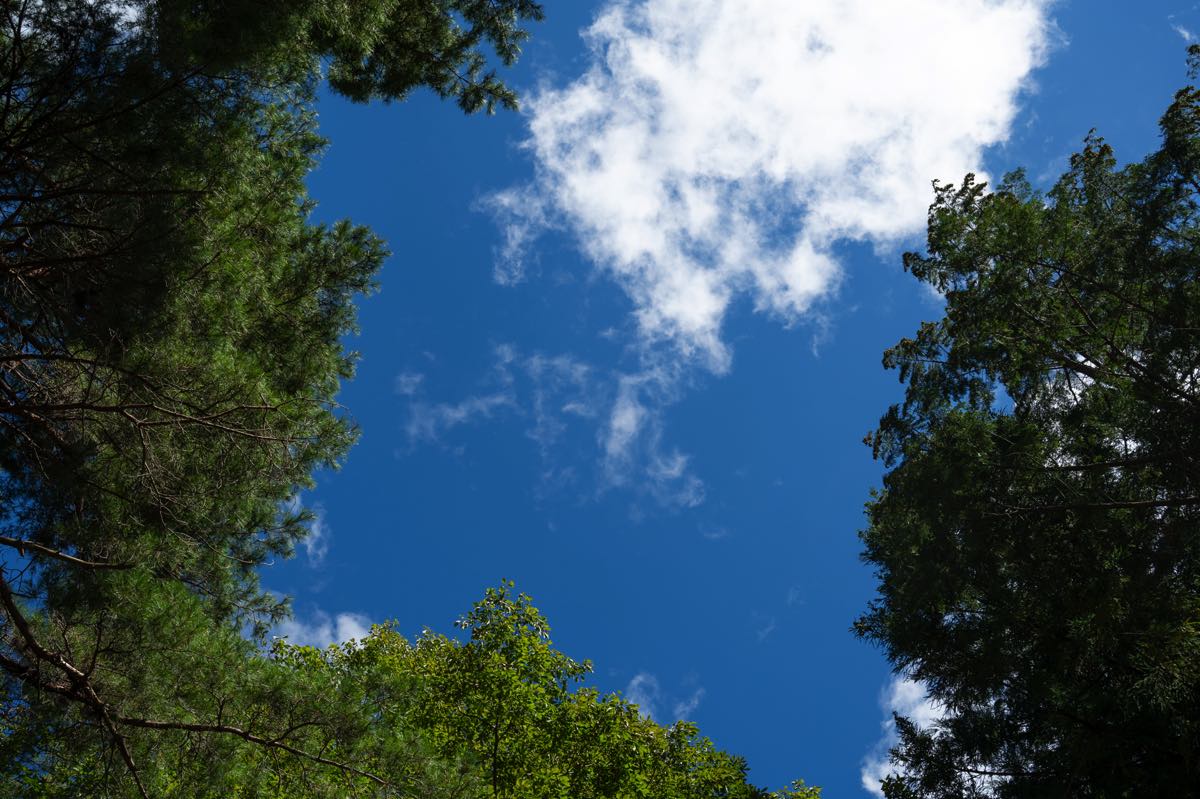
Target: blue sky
[[629, 341]]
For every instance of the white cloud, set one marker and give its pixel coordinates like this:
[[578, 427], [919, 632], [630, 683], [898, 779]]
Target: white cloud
[[316, 543], [632, 446], [644, 691], [408, 383], [1186, 34], [522, 218], [624, 423], [321, 629], [552, 393], [908, 699], [720, 148], [686, 707], [428, 421], [127, 12], [764, 627], [560, 390]]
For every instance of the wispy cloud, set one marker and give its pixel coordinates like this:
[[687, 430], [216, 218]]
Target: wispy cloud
[[427, 422], [1186, 34], [632, 439], [644, 691], [684, 708], [521, 223], [407, 384], [560, 391], [316, 543], [320, 629], [763, 627], [905, 698], [550, 394]]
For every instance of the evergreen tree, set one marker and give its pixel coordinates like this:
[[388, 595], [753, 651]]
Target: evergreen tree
[[1037, 538], [170, 340]]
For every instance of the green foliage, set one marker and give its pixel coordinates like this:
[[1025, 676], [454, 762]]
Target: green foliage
[[371, 49], [171, 326], [500, 715], [1036, 536]]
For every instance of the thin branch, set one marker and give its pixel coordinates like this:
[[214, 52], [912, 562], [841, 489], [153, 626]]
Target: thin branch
[[21, 545], [272, 743], [1144, 503]]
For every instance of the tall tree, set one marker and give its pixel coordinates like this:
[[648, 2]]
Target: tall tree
[[1037, 538], [501, 715], [170, 331]]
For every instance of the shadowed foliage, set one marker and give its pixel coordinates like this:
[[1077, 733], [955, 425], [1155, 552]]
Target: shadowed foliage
[[1036, 538], [170, 343]]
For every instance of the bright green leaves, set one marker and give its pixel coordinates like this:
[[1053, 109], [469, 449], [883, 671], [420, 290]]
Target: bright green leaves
[[498, 715]]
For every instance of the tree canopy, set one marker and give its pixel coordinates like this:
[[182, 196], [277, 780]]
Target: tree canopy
[[1036, 538], [171, 324], [503, 714], [171, 346]]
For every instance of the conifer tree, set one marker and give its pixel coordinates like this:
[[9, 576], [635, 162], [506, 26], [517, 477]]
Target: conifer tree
[[1037, 538], [170, 341]]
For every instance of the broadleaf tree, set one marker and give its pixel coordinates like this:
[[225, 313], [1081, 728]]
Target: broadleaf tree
[[1037, 535], [500, 715]]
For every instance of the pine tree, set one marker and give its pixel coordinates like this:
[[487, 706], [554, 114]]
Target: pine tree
[[170, 340]]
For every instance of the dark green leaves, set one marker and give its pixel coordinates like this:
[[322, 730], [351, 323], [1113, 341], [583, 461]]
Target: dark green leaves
[[171, 340], [1036, 537]]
